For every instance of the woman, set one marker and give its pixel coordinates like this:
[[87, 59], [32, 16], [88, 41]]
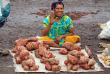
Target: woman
[[58, 27], [4, 11]]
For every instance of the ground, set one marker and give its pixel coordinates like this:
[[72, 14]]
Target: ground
[[25, 20]]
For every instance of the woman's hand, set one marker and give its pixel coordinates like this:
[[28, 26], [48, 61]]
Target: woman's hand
[[52, 20], [58, 39]]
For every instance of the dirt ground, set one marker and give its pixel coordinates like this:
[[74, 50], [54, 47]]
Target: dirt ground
[[25, 20]]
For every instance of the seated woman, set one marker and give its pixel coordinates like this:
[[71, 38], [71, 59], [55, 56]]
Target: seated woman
[[58, 27]]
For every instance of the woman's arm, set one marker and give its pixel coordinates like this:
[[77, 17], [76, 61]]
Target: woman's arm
[[52, 20], [46, 30], [71, 32], [59, 38]]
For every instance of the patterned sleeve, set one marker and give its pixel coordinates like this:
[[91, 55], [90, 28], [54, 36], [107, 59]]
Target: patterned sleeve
[[69, 23], [46, 22]]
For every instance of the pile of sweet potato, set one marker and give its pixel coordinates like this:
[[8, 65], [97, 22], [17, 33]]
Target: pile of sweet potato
[[22, 55], [76, 59], [46, 57], [42, 51], [69, 46], [24, 58]]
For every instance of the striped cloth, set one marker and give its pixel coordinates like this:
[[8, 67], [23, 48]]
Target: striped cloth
[[105, 33]]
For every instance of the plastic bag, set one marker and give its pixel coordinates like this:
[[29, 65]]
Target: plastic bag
[[105, 33], [0, 9]]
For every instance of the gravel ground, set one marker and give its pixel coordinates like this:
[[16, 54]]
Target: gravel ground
[[25, 20]]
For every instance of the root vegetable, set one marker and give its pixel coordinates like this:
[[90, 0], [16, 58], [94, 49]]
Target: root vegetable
[[21, 42], [63, 51], [76, 47], [53, 61], [93, 67], [48, 54], [72, 59], [30, 46], [46, 46], [24, 54], [84, 59], [34, 68], [32, 39], [37, 54], [67, 45], [75, 67], [18, 60], [85, 66], [69, 66], [26, 68], [14, 50], [73, 53], [66, 62], [91, 62], [48, 66], [56, 68]]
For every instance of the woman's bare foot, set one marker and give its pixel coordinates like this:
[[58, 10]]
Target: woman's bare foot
[[51, 43]]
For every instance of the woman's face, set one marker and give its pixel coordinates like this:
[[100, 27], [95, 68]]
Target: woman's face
[[58, 10]]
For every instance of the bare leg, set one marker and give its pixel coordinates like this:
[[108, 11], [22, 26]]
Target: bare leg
[[51, 43]]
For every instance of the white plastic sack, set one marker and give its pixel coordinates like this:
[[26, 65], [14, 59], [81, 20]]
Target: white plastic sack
[[0, 9], [105, 33], [4, 3]]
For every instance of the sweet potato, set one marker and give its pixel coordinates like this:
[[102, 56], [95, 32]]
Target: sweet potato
[[26, 68], [48, 66], [80, 53], [24, 54], [14, 50], [18, 59], [48, 54], [69, 66], [73, 53], [46, 46], [30, 62], [76, 47], [37, 54], [34, 68], [72, 59], [84, 59], [91, 62], [53, 61], [75, 67], [21, 42], [30, 46], [66, 62], [20, 48], [67, 45], [32, 39], [63, 51], [92, 67], [85, 66], [56, 67]]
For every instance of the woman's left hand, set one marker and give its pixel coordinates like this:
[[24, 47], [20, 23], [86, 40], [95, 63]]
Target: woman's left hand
[[58, 39]]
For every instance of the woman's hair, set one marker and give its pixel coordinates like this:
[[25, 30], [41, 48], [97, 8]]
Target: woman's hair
[[55, 3]]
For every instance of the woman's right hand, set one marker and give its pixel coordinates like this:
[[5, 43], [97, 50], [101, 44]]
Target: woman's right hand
[[52, 20]]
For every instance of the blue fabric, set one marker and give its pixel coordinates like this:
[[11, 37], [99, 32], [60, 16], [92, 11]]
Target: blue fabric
[[2, 23], [6, 11]]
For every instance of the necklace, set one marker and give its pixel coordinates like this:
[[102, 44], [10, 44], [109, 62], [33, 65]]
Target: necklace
[[59, 17]]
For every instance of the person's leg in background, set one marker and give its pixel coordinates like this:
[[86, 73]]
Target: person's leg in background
[[48, 41], [74, 39], [5, 14]]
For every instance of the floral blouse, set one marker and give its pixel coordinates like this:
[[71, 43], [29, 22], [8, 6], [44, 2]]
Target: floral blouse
[[58, 28]]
